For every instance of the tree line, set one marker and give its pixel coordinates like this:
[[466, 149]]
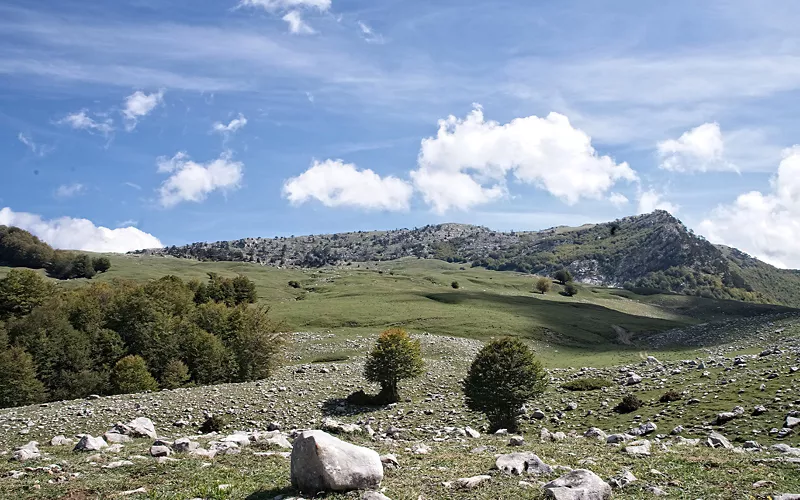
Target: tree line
[[19, 248], [124, 336]]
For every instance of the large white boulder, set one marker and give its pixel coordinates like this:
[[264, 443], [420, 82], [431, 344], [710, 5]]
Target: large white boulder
[[580, 484], [321, 462], [89, 443]]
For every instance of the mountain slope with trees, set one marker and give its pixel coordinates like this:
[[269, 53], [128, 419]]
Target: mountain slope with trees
[[650, 253]]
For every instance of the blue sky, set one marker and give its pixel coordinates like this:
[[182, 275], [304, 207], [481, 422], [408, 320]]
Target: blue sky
[[131, 123]]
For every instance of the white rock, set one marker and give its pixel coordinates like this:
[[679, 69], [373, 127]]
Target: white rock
[[321, 462]]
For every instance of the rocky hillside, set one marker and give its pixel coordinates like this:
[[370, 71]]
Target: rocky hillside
[[648, 253]]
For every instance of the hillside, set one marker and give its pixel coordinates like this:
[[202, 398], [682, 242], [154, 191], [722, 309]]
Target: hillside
[[648, 253]]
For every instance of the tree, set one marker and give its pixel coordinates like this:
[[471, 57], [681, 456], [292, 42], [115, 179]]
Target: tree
[[503, 377], [101, 264], [571, 289], [176, 375], [543, 285], [395, 357], [22, 290], [455, 284], [244, 290], [562, 276], [130, 374], [18, 383]]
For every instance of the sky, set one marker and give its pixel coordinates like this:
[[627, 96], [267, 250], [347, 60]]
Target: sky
[[129, 124]]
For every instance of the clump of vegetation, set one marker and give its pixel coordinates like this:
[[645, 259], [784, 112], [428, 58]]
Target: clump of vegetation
[[543, 285], [330, 358], [228, 291], [18, 383], [629, 403], [214, 423], [176, 375], [294, 284], [587, 384], [395, 357], [562, 276], [130, 374], [21, 291], [570, 289], [455, 284], [503, 377], [670, 396]]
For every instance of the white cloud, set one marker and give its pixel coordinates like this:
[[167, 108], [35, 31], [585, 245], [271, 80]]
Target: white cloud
[[467, 162], [618, 200], [138, 105], [653, 200], [82, 121], [700, 149], [338, 184], [764, 225], [271, 5], [368, 34], [37, 149], [296, 24], [69, 190], [231, 127], [80, 234], [191, 181]]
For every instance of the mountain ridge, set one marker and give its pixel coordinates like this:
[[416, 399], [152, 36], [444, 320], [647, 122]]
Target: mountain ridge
[[648, 253]]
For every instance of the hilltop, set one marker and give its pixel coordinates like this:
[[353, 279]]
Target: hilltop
[[649, 253]]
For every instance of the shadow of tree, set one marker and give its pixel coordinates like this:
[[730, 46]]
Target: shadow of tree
[[271, 493], [357, 403]]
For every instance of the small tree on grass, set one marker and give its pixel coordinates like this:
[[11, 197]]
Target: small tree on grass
[[18, 382], [563, 276], [571, 289], [543, 285], [504, 376], [395, 357], [130, 375]]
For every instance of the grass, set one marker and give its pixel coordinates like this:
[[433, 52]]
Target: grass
[[587, 384]]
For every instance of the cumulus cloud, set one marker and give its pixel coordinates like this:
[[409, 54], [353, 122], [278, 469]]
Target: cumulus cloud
[[700, 149], [70, 190], [296, 24], [231, 127], [82, 121], [80, 234], [138, 105], [467, 163], [618, 200], [338, 184], [764, 225], [192, 181], [653, 200]]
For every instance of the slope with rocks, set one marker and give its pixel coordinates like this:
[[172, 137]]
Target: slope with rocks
[[648, 253]]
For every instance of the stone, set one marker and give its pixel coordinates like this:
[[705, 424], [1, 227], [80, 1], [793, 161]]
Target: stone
[[724, 417], [618, 438], [677, 430], [717, 440], [638, 448], [633, 379], [622, 479], [595, 433], [516, 441], [791, 422], [321, 462], [115, 437], [185, 445], [274, 438], [374, 495], [759, 410], [61, 441], [28, 451], [472, 432], [656, 491], [421, 449], [160, 451], [274, 426], [469, 483], [580, 484], [117, 464], [240, 438], [389, 461], [140, 427], [89, 443], [517, 464]]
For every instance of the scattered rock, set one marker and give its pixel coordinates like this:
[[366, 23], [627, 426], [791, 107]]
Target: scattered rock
[[321, 462], [89, 443], [517, 464], [717, 440], [580, 484]]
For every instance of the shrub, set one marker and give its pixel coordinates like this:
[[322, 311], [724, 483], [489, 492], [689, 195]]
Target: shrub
[[563, 276], [503, 377], [395, 357], [130, 374], [101, 264], [543, 285], [22, 290], [455, 284], [176, 374], [587, 384], [570, 289], [294, 284], [18, 383], [214, 423], [670, 396], [629, 403]]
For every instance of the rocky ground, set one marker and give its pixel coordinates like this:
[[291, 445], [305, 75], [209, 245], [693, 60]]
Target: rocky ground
[[734, 432]]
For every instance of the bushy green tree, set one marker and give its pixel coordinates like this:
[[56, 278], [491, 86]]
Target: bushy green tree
[[175, 375], [563, 276], [244, 290], [130, 375], [101, 264], [543, 285], [571, 289], [503, 377], [18, 383], [395, 357], [19, 248], [22, 290]]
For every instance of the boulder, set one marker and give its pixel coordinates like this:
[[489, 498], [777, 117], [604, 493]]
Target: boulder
[[469, 483], [61, 441], [580, 484], [516, 441], [29, 451], [138, 428], [622, 479], [595, 433], [185, 445], [373, 495], [116, 437], [321, 462], [717, 440], [472, 432], [638, 448], [791, 422], [516, 464], [160, 451]]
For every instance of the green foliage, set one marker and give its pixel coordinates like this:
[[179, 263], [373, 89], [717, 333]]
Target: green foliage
[[587, 384], [214, 423], [563, 276], [175, 375], [130, 374], [543, 285], [294, 284], [19, 248], [571, 289], [331, 358], [670, 396], [101, 264], [503, 377], [629, 404], [66, 265], [229, 291], [455, 284], [395, 357], [22, 290], [18, 383]]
